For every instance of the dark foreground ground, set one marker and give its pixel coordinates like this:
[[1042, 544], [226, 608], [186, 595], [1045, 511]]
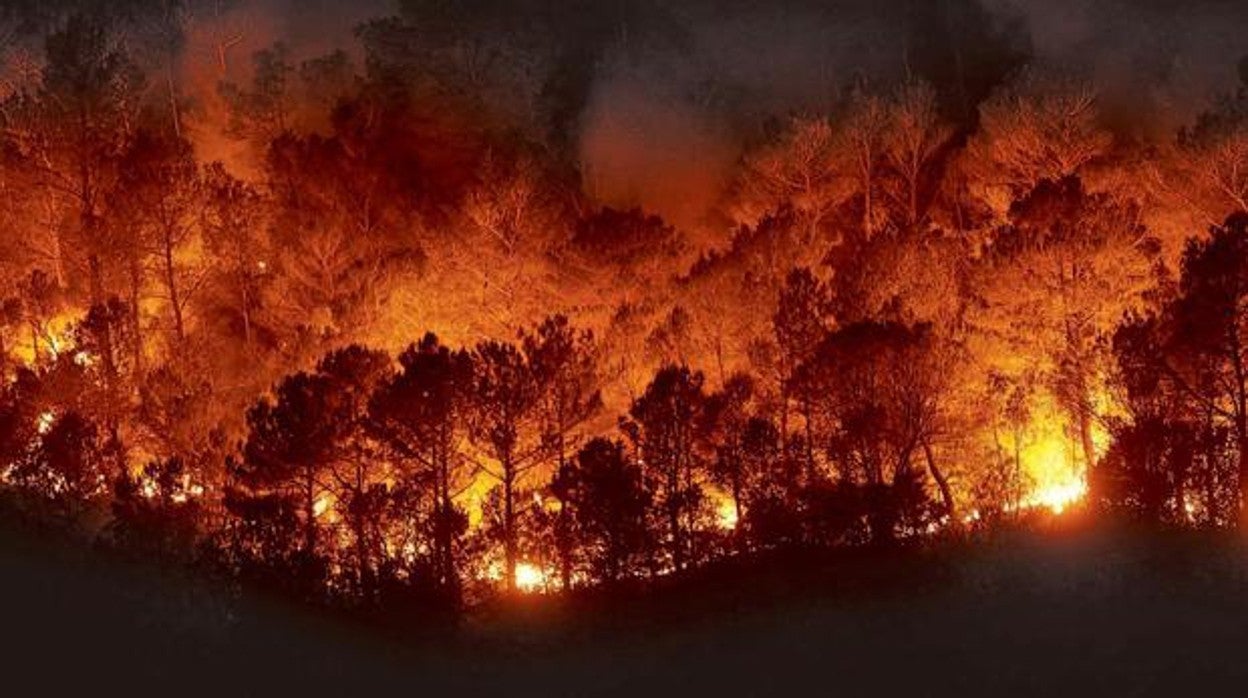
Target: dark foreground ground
[[1060, 613]]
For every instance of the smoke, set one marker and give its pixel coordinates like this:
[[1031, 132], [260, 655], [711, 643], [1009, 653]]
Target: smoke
[[659, 102], [687, 109], [221, 39], [1162, 59], [308, 28]]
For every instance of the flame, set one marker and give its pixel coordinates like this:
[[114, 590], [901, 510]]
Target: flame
[[530, 578], [322, 505], [51, 339], [725, 511], [1057, 497], [1058, 480], [1054, 464]]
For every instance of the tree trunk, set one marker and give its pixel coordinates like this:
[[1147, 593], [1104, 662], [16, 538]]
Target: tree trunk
[[509, 522], [246, 310], [309, 512], [673, 519], [136, 281], [807, 417], [942, 483], [171, 285], [171, 87], [914, 199], [1085, 438], [1242, 440], [363, 568]]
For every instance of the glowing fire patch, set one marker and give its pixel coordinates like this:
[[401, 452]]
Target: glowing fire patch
[[1055, 468], [1057, 497], [530, 578], [321, 505], [726, 514]]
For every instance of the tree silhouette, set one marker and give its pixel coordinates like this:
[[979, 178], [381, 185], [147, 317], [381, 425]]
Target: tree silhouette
[[880, 396], [565, 367], [664, 427], [605, 496], [422, 415], [292, 438], [67, 467], [505, 424]]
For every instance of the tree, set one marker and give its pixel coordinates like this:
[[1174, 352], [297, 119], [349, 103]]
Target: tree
[[504, 256], [357, 475], [770, 484], [564, 363], [1211, 161], [1054, 283], [158, 512], [505, 425], [422, 415], [234, 229], [162, 189], [341, 207], [879, 393], [862, 140], [914, 136], [727, 414], [67, 466], [664, 430], [263, 112], [291, 441], [800, 323], [81, 116], [802, 170], [605, 497], [70, 132], [1037, 128], [1199, 341]]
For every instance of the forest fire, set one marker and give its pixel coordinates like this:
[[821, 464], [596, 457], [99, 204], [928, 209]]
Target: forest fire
[[389, 318], [1056, 480], [531, 578]]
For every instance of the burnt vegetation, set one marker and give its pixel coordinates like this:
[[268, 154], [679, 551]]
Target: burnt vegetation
[[358, 330]]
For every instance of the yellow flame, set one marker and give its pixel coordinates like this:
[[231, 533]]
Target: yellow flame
[[1056, 478], [322, 505], [530, 578], [725, 513], [1057, 497], [1055, 467], [52, 339]]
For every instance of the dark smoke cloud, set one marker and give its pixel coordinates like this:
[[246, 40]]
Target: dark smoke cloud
[[687, 110], [656, 101], [1163, 59], [1156, 63]]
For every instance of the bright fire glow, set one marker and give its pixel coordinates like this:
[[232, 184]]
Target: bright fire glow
[[1054, 465], [54, 337], [321, 505], [530, 578], [1057, 480], [1057, 497], [725, 513]]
